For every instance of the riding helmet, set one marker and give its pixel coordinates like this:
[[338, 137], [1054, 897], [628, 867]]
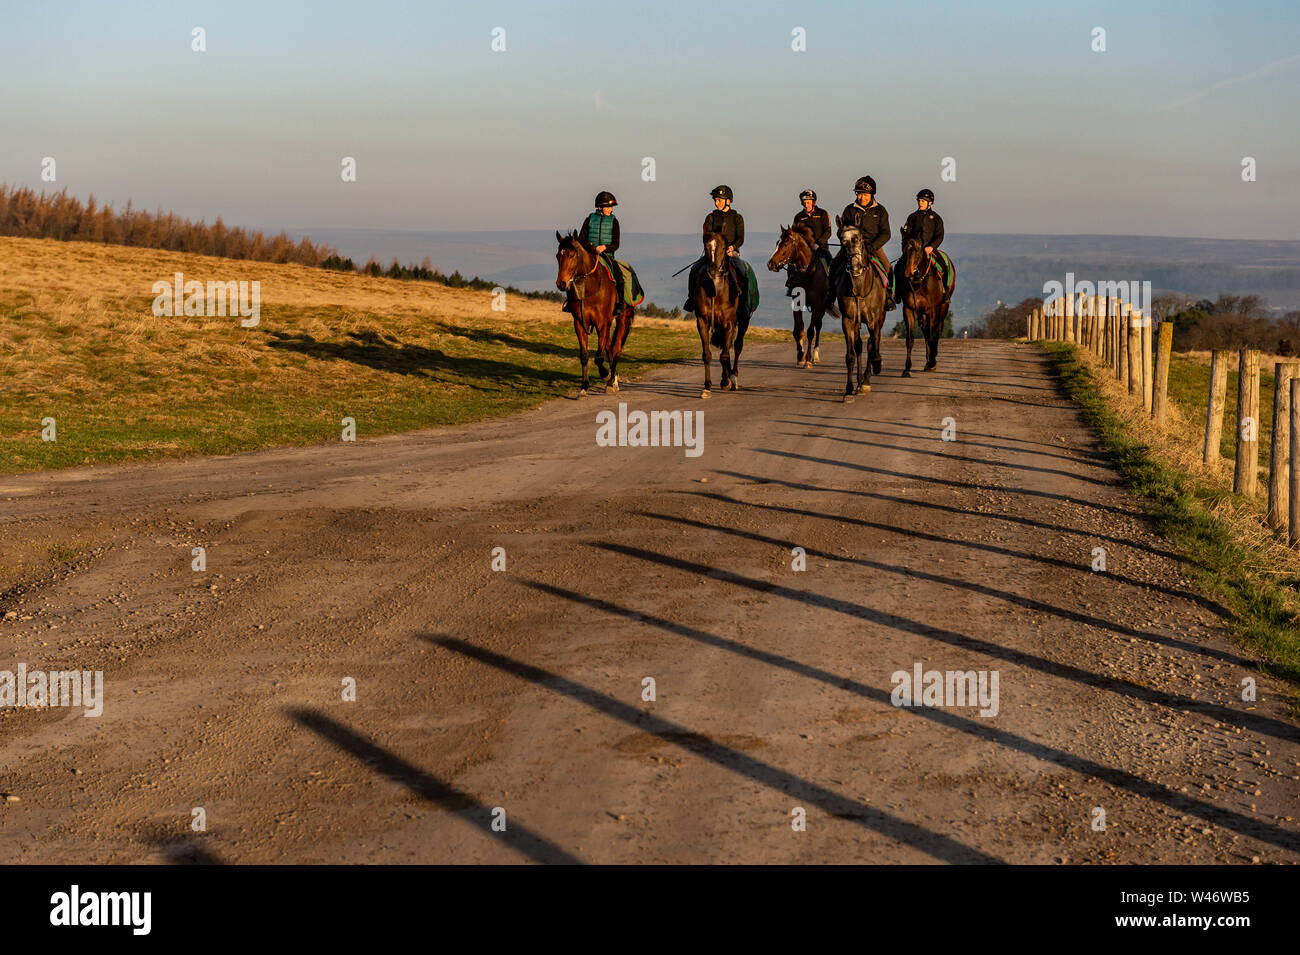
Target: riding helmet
[[722, 192], [926, 194], [605, 199], [865, 184], [807, 194]]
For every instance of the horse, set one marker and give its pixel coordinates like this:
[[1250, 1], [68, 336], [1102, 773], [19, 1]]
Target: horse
[[795, 249], [924, 301], [592, 300], [861, 294], [720, 315]]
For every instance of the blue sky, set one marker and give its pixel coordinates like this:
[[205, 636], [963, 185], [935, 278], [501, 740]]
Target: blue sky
[[1146, 138]]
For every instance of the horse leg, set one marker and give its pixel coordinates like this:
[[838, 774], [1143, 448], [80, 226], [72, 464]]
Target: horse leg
[[706, 355], [581, 329], [617, 339], [873, 333], [603, 336], [798, 336], [932, 328], [815, 332], [850, 337], [909, 320], [736, 343], [864, 367]]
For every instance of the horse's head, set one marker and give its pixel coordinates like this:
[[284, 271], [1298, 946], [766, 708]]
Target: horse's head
[[573, 258], [715, 250], [784, 250], [915, 264], [855, 247]]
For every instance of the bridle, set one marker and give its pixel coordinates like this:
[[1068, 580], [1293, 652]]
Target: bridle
[[913, 280], [578, 282]]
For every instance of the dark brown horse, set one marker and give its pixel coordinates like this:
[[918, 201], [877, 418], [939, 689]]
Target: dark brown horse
[[720, 315], [593, 302], [924, 302], [861, 293], [795, 249]]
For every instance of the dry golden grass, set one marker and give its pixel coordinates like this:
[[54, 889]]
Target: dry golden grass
[[79, 343]]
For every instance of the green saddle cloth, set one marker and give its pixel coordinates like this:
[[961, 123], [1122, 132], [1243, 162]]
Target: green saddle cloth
[[751, 300], [633, 293], [946, 271]]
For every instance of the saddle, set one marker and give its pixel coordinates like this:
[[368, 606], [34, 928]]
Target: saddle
[[947, 273], [633, 294]]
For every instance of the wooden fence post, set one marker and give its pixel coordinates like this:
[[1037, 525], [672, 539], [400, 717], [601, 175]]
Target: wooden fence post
[[1293, 532], [1147, 377], [1134, 351], [1068, 306], [1279, 458], [1245, 479], [1160, 396], [1214, 408]]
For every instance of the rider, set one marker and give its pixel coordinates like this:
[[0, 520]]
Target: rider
[[731, 224], [818, 222], [870, 217], [600, 230], [924, 224]]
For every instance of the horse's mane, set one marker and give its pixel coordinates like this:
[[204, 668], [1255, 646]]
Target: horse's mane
[[573, 238], [804, 231]]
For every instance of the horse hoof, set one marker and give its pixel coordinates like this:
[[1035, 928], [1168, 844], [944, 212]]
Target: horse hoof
[[735, 385], [612, 387], [705, 393], [875, 369], [848, 399], [582, 393], [864, 389], [817, 358]]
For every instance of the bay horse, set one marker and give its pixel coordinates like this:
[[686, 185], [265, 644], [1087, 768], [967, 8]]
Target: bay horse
[[861, 293], [720, 316], [795, 249], [924, 302], [592, 299]]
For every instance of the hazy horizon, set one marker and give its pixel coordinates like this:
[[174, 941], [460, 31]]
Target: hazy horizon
[[1047, 135]]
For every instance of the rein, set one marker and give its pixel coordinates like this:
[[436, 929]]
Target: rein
[[578, 284]]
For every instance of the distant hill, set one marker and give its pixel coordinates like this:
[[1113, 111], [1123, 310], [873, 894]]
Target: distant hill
[[990, 267]]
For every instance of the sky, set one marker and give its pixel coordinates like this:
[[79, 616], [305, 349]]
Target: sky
[[1048, 136]]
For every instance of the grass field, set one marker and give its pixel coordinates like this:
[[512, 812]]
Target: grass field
[[79, 344]]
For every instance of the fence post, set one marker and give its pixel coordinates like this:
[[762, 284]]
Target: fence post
[[1134, 351], [1245, 479], [1068, 310], [1279, 457], [1214, 409], [1160, 396], [1293, 533], [1147, 378]]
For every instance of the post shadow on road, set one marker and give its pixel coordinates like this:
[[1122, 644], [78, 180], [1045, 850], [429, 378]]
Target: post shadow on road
[[805, 792], [1028, 603], [961, 511], [426, 786], [1252, 721], [1114, 482], [1090, 458], [929, 429], [1119, 778], [1072, 566], [183, 847], [949, 482]]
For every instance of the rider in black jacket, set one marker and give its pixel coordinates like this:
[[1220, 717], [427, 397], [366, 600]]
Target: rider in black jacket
[[731, 224], [924, 224], [817, 221], [871, 217]]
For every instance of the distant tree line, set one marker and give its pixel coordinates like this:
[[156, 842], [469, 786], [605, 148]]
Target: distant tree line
[[27, 214], [1005, 321]]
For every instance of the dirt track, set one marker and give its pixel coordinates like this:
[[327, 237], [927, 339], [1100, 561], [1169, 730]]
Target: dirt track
[[523, 689]]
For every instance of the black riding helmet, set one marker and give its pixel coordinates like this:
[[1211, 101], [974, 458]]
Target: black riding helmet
[[865, 184], [807, 194], [605, 199], [722, 192], [926, 194]]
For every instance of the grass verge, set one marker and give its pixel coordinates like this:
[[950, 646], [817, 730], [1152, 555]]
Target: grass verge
[[1184, 508]]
